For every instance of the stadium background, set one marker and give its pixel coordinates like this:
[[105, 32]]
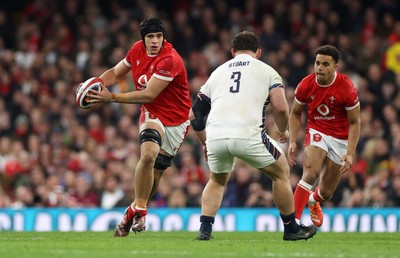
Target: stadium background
[[54, 154]]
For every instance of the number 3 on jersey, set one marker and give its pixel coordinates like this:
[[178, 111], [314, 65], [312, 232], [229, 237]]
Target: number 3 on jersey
[[236, 79]]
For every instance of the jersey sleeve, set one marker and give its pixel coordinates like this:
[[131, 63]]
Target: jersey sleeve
[[300, 94], [276, 79], [165, 69], [351, 100], [128, 57], [205, 89]]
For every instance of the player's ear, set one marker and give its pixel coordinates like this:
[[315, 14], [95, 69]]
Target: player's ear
[[233, 52], [258, 53]]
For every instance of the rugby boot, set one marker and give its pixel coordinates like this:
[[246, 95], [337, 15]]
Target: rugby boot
[[204, 235], [304, 233], [316, 214], [139, 224], [123, 228]]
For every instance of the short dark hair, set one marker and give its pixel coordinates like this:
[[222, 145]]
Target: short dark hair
[[329, 50], [245, 40], [151, 25]]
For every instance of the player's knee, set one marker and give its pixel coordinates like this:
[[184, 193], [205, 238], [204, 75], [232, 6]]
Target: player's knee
[[326, 195], [148, 157], [310, 174], [163, 161], [150, 135], [281, 178], [220, 178]]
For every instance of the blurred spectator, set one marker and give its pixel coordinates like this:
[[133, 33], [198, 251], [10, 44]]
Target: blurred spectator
[[82, 195], [193, 195], [112, 192], [376, 197], [177, 198], [271, 37], [128, 189], [190, 170], [23, 197], [237, 189], [5, 200], [258, 197], [394, 192], [350, 191]]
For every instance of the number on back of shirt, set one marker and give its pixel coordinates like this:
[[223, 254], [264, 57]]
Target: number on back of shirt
[[236, 80]]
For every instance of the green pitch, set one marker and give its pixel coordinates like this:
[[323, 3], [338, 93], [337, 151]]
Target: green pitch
[[182, 244]]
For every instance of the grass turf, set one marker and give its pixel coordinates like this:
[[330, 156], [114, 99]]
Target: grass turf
[[182, 244]]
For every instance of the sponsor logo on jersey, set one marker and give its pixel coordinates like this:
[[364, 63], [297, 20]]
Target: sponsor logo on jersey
[[142, 81], [324, 111]]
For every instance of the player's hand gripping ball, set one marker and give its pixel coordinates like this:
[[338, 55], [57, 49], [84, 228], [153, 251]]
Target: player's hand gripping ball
[[93, 83]]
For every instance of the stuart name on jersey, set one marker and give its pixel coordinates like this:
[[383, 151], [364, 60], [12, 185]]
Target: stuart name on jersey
[[239, 63]]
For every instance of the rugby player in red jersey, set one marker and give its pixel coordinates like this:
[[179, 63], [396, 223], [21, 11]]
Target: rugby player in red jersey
[[162, 88], [332, 131]]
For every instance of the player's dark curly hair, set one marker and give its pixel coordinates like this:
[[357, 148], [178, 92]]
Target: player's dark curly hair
[[329, 50], [245, 40]]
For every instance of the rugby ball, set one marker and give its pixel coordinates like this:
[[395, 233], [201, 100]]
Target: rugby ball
[[93, 83]]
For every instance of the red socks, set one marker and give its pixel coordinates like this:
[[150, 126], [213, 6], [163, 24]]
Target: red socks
[[301, 195], [131, 213], [316, 195], [140, 212]]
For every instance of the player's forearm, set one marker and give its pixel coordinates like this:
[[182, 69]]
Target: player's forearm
[[354, 136], [109, 77], [133, 97], [281, 120], [294, 127], [115, 74], [201, 135]]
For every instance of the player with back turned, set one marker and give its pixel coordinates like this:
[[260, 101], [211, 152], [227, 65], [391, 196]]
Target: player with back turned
[[162, 88], [332, 131], [227, 115]]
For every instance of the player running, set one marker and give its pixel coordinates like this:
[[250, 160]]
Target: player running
[[162, 88], [332, 131]]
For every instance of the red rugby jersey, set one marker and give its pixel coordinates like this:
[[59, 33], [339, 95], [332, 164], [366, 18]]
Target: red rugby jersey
[[172, 105], [327, 104]]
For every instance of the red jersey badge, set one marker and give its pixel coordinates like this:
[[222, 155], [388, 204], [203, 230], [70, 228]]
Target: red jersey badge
[[317, 137]]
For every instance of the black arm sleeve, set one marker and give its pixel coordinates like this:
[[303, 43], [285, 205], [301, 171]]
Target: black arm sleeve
[[200, 108]]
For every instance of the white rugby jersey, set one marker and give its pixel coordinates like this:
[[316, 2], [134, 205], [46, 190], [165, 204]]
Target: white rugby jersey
[[239, 91]]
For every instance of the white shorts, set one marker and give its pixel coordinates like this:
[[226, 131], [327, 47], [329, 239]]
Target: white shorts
[[222, 154], [173, 135], [334, 147]]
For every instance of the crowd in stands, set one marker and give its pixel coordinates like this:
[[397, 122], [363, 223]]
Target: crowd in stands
[[55, 154]]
